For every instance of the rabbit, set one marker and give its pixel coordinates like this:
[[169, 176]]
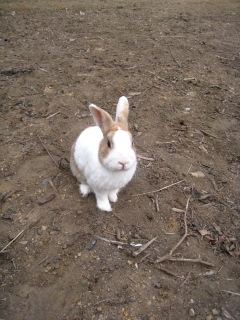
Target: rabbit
[[103, 158]]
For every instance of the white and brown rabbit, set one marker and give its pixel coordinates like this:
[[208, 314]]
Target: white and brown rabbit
[[103, 158]]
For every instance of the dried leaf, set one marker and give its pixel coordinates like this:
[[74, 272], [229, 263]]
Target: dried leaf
[[232, 239], [217, 228], [204, 232], [211, 240], [197, 174], [227, 240]]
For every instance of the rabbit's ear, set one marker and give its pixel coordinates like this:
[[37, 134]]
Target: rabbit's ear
[[122, 111], [102, 118]]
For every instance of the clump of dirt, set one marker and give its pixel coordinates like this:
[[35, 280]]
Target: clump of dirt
[[170, 247]]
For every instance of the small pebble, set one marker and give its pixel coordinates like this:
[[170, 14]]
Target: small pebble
[[132, 299], [149, 303], [192, 313], [99, 309], [209, 274], [210, 317], [53, 232], [215, 312]]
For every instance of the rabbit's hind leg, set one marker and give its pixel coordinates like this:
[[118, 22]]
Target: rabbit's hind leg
[[113, 195], [84, 189]]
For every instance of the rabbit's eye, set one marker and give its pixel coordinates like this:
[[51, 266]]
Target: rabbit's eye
[[109, 144]]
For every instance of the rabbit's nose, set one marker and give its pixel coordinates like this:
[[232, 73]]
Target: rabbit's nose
[[123, 164]]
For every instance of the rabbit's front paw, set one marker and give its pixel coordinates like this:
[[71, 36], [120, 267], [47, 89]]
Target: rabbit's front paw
[[103, 204]]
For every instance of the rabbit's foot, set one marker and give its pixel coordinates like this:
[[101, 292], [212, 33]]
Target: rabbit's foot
[[113, 195], [84, 189], [103, 202]]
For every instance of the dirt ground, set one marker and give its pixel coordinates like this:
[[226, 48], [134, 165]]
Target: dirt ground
[[178, 62]]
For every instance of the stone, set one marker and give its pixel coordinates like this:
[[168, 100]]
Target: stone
[[192, 313], [215, 312]]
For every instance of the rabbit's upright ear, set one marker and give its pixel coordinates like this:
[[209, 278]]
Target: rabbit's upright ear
[[122, 111], [101, 117]]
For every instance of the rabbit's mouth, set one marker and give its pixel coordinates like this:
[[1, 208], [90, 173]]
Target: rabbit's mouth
[[120, 165], [123, 165]]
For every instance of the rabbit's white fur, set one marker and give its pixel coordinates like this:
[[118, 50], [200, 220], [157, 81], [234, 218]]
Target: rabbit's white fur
[[101, 169]]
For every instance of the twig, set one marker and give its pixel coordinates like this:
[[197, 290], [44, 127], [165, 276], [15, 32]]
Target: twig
[[227, 314], [112, 241], [165, 142], [145, 257], [144, 247], [187, 277], [207, 134], [33, 223], [43, 260], [172, 36], [185, 229], [144, 158], [6, 251], [169, 257], [14, 265], [214, 184], [157, 204], [168, 233], [174, 57], [164, 188], [192, 261], [133, 67], [230, 292], [42, 69], [47, 151], [52, 115], [189, 169], [52, 185], [168, 272], [131, 279], [18, 235], [119, 218], [5, 195], [29, 212]]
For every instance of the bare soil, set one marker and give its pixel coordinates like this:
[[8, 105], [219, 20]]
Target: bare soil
[[178, 63]]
